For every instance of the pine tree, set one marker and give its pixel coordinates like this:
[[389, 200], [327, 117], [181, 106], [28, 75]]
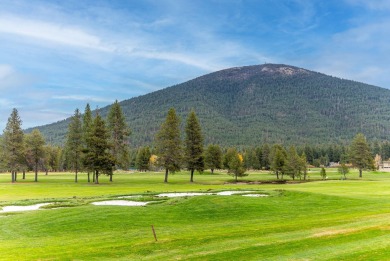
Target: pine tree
[[87, 129], [98, 158], [360, 154], [74, 143], [304, 165], [293, 165], [265, 159], [235, 164], [213, 157], [119, 134], [13, 144], [168, 144], [278, 160], [143, 158], [35, 150], [323, 173], [193, 150]]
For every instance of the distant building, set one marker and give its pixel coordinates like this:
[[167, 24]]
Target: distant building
[[334, 164], [385, 165]]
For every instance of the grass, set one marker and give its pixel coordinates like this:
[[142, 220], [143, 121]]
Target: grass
[[319, 220]]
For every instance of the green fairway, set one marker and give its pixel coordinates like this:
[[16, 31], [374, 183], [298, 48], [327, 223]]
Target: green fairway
[[317, 220]]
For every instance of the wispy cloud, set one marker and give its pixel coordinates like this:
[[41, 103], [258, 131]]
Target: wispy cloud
[[56, 33], [85, 98]]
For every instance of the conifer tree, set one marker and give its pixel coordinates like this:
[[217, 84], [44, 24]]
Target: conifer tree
[[13, 144], [98, 158], [143, 158], [278, 160], [74, 142], [293, 165], [360, 154], [119, 135], [235, 164], [265, 156], [193, 150], [35, 150], [168, 144], [87, 129], [213, 157]]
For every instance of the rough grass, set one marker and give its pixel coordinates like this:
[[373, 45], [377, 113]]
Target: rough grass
[[321, 220]]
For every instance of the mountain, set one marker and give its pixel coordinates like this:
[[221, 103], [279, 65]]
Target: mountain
[[246, 106]]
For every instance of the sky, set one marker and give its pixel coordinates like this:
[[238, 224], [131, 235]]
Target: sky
[[56, 56]]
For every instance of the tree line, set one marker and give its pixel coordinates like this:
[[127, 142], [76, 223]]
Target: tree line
[[99, 146]]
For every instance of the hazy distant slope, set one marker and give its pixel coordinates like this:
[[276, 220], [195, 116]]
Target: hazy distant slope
[[248, 105]]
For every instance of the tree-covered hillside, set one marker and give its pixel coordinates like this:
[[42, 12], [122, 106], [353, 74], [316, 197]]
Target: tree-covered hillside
[[246, 106]]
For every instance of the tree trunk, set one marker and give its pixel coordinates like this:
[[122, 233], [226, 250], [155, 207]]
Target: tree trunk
[[24, 174], [360, 173], [110, 177], [97, 177], [166, 176], [277, 174], [16, 176], [192, 175], [75, 178], [212, 171], [36, 173], [46, 172], [89, 180], [13, 176], [93, 177], [236, 178]]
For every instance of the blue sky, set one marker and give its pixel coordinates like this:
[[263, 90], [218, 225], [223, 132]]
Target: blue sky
[[58, 55]]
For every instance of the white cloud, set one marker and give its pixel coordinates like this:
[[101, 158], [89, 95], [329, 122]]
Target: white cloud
[[82, 98], [51, 32]]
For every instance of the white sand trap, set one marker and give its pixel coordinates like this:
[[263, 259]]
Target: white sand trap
[[229, 193], [184, 194], [23, 208], [119, 203], [255, 195]]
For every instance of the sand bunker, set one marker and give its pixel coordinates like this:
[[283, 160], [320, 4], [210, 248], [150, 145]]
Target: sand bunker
[[191, 194], [184, 194], [255, 195], [23, 208], [229, 193], [119, 203]]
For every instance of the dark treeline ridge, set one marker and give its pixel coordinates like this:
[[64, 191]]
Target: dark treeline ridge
[[99, 146], [269, 103]]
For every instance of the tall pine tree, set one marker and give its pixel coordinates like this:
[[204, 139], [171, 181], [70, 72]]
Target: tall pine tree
[[168, 144], [360, 154], [13, 144], [193, 150], [87, 130], [119, 135], [35, 150], [98, 158], [213, 157], [74, 143]]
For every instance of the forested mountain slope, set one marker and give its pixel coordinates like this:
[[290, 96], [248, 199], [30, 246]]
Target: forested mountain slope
[[249, 105]]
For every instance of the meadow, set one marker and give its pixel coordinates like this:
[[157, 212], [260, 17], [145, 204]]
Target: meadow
[[315, 220]]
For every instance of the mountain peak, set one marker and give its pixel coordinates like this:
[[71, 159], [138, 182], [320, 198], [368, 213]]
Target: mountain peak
[[268, 69], [283, 69]]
